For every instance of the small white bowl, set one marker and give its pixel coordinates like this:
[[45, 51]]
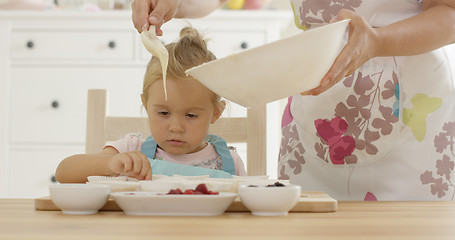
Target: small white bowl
[[79, 198], [269, 201]]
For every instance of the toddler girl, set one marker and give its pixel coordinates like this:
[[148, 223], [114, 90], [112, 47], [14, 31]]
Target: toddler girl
[[179, 125]]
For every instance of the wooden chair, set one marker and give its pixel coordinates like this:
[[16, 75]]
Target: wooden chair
[[102, 128]]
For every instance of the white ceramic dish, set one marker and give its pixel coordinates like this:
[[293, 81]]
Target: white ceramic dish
[[160, 204], [269, 201], [276, 70], [79, 198]]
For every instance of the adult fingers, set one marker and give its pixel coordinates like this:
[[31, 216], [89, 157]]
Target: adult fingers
[[346, 62], [159, 12], [141, 9], [338, 67], [159, 31], [163, 12], [345, 14]]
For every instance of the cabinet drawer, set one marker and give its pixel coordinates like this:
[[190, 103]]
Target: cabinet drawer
[[49, 104], [226, 43], [72, 45]]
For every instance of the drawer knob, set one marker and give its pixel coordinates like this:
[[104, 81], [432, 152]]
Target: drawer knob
[[111, 44], [53, 179], [55, 104], [244, 45], [30, 44]]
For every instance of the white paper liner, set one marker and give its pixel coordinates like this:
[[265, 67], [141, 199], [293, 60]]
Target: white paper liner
[[158, 176], [221, 186], [131, 179], [160, 186], [164, 183], [93, 179], [119, 186]]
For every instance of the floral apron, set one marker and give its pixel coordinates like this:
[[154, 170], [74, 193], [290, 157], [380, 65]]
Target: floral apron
[[386, 132]]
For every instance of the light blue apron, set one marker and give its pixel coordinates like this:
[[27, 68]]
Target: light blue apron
[[169, 168]]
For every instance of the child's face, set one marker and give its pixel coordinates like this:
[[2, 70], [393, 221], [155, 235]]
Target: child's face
[[180, 124]]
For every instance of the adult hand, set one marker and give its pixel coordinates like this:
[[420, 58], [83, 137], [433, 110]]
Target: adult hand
[[360, 48], [153, 12], [132, 164]]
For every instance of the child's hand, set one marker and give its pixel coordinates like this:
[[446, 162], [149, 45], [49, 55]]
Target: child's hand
[[132, 164]]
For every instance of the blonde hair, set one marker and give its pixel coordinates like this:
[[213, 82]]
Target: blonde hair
[[190, 51]]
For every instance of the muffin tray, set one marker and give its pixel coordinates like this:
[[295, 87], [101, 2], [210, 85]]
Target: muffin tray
[[309, 202]]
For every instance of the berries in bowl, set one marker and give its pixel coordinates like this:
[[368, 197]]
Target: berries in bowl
[[269, 200]]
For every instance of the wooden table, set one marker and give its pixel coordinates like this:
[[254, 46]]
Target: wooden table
[[353, 220]]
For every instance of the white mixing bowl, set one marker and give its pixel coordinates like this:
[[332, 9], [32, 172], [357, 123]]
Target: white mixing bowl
[[275, 70]]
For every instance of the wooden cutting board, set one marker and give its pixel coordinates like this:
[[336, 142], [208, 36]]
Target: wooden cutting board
[[309, 202]]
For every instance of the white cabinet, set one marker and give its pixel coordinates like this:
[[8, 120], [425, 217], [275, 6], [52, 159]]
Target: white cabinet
[[49, 107], [48, 61]]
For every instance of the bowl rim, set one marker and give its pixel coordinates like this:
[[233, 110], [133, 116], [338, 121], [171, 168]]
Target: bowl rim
[[264, 186], [79, 186]]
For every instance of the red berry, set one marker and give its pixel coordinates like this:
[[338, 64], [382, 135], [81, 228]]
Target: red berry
[[189, 191], [202, 188], [175, 191]]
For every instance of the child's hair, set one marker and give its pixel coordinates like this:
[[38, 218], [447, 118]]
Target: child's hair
[[190, 51]]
